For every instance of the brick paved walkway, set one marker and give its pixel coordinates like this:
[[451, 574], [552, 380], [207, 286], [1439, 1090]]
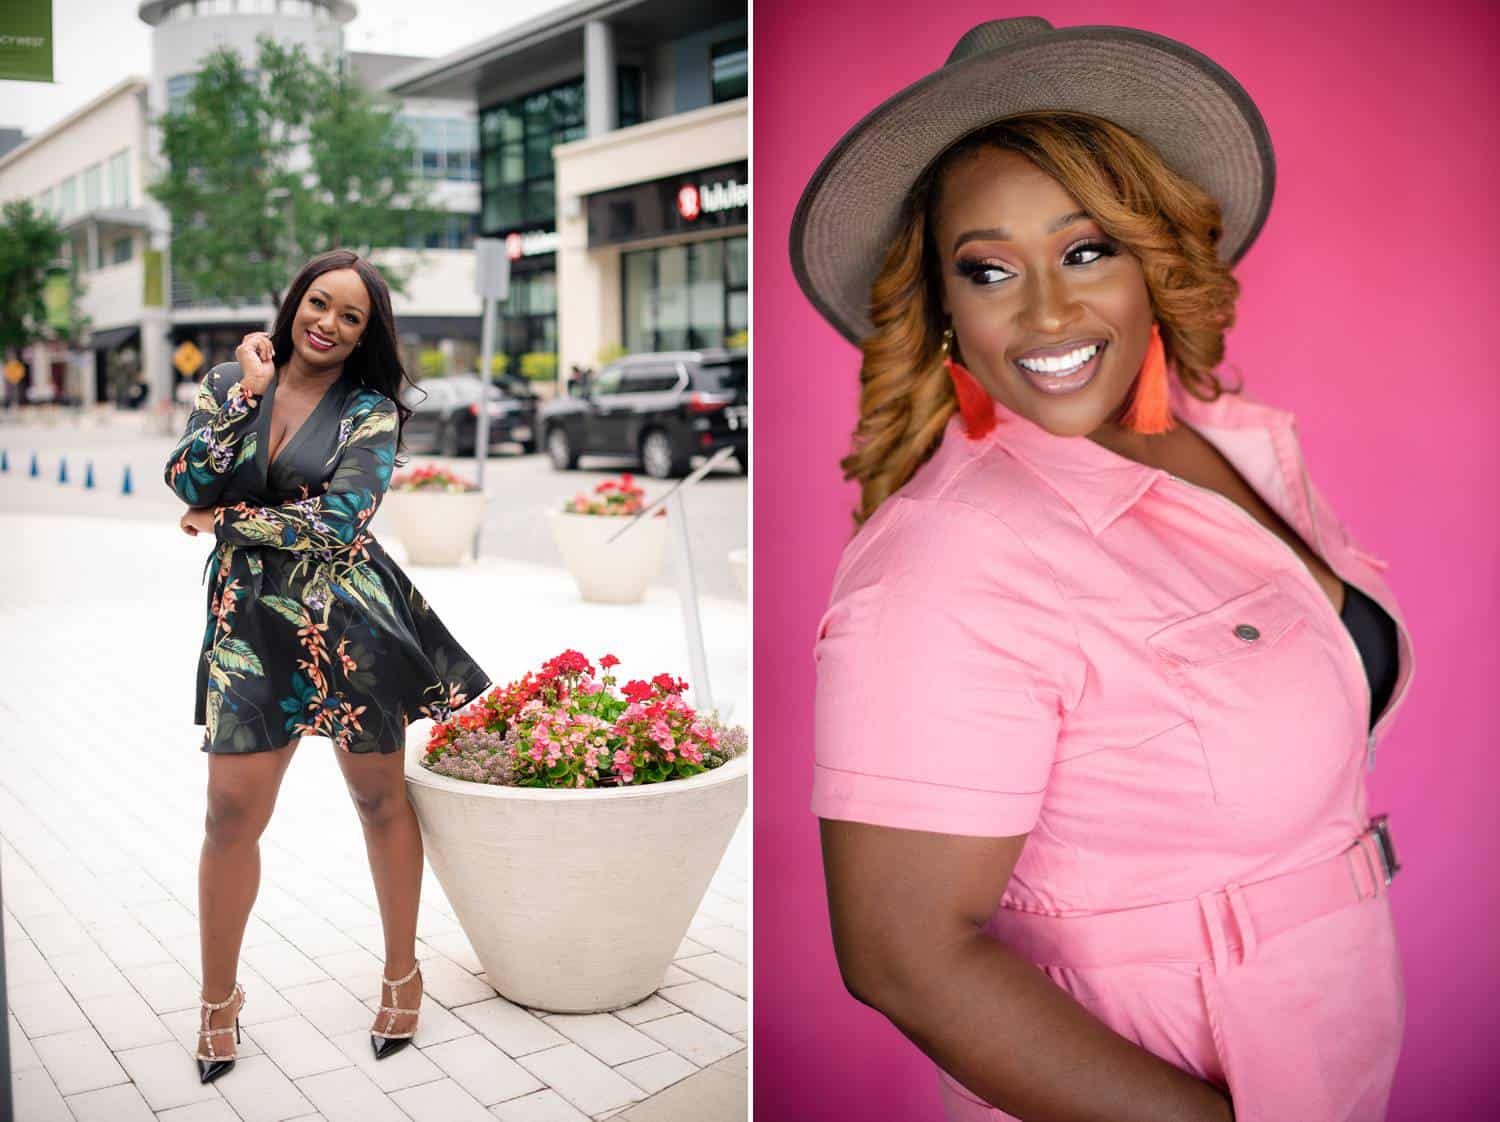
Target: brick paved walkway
[[101, 809]]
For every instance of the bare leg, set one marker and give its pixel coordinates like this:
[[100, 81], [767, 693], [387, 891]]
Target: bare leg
[[241, 795], [377, 783]]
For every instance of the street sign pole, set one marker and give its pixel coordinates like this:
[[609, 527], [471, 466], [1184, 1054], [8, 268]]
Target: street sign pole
[[687, 584], [492, 283], [482, 433], [687, 593]]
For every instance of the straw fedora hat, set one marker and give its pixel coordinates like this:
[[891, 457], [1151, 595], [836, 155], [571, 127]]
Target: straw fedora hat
[[1188, 108]]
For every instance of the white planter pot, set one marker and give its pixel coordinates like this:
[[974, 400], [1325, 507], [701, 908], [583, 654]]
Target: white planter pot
[[609, 572], [436, 527], [739, 564], [576, 901]]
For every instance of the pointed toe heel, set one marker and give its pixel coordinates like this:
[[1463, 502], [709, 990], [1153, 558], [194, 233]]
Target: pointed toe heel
[[209, 1070], [213, 1065], [385, 1044]]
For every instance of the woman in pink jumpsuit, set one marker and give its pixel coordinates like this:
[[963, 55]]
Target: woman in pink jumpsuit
[[1120, 639]]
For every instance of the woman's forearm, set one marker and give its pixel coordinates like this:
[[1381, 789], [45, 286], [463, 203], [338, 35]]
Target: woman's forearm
[[1007, 1032]]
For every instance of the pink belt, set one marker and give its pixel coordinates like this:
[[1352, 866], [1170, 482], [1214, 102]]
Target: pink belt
[[1196, 930]]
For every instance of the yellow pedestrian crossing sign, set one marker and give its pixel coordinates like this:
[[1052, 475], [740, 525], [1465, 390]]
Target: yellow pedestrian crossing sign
[[187, 358]]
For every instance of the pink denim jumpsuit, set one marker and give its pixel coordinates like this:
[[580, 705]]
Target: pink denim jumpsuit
[[1038, 636]]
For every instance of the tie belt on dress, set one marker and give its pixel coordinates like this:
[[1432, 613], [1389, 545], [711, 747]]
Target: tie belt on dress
[[1183, 931]]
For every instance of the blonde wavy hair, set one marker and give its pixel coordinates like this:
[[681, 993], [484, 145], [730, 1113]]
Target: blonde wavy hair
[[1170, 223]]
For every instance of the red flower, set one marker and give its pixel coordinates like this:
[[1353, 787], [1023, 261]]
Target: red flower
[[637, 691], [668, 684], [569, 662], [608, 661]]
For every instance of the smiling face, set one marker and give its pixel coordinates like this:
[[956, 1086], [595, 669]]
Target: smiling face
[[335, 309], [1028, 279]]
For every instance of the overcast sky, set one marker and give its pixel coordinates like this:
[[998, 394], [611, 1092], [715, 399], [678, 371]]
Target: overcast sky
[[98, 42]]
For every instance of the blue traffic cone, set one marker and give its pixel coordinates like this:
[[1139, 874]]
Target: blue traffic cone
[[35, 471], [125, 490], [62, 470], [4, 460], [88, 476]]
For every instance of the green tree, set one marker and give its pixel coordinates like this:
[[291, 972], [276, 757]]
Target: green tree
[[268, 167], [30, 252]]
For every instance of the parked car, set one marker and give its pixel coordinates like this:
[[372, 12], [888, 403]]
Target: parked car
[[446, 420], [663, 409]]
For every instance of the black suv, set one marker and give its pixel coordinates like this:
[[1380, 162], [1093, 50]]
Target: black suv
[[660, 408], [446, 420]]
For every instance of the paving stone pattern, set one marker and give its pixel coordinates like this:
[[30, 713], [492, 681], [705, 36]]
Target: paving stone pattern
[[101, 820]]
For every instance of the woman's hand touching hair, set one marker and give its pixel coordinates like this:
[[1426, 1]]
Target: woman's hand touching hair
[[257, 359]]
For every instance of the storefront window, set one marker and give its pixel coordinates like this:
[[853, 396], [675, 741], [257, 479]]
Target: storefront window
[[529, 316], [686, 297], [729, 64], [517, 138]]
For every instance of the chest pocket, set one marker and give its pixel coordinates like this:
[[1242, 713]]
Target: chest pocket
[[1267, 697]]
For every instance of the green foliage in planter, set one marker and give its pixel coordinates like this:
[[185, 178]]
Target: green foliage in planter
[[432, 364], [539, 366]]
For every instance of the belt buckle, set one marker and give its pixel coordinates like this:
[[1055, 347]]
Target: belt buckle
[[1382, 832]]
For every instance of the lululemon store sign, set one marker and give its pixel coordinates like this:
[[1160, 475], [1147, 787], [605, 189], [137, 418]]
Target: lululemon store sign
[[710, 199], [530, 243]]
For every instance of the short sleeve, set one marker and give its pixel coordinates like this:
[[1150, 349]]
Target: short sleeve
[[945, 664]]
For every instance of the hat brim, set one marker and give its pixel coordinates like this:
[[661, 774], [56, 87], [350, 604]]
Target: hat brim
[[1188, 108]]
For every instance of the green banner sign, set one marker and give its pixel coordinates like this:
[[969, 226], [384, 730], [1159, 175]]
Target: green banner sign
[[57, 295], [154, 282], [26, 40]]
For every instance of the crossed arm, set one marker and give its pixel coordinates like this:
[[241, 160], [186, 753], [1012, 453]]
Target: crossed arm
[[333, 520], [220, 436]]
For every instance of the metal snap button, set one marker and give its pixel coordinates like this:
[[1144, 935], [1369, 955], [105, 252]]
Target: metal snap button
[[1247, 633]]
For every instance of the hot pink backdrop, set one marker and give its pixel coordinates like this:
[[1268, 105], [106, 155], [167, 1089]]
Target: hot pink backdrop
[[1369, 309]]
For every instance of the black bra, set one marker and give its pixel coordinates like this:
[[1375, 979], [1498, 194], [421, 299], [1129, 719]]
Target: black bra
[[1374, 633]]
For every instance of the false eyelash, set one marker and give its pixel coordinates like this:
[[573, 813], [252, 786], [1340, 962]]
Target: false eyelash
[[967, 267]]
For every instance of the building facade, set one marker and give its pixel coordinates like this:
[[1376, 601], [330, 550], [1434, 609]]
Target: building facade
[[614, 147], [90, 171]]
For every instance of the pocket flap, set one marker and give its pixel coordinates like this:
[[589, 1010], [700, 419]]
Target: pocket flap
[[1235, 628]]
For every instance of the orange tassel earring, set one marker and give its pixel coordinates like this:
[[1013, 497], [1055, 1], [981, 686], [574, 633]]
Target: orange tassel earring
[[975, 405], [1149, 412]]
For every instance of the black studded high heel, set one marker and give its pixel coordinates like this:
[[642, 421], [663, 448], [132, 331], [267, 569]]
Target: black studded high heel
[[388, 1043], [211, 1066]]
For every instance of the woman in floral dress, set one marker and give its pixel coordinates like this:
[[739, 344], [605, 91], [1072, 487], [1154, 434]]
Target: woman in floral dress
[[312, 629]]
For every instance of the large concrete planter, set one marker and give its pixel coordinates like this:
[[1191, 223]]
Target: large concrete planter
[[575, 901], [436, 527], [609, 572]]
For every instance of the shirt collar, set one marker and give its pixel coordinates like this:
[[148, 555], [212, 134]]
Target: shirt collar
[[1100, 484]]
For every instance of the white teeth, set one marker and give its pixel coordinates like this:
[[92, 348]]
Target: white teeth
[[1064, 364]]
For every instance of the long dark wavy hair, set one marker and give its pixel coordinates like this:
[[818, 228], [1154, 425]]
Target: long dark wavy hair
[[376, 362]]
